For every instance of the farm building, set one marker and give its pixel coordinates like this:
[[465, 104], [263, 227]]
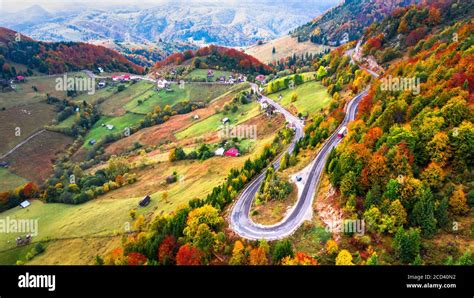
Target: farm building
[[260, 78], [109, 126], [219, 152], [146, 200], [233, 152], [25, 204], [225, 120], [162, 83]]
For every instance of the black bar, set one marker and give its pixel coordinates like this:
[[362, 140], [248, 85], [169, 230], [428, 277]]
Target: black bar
[[223, 281]]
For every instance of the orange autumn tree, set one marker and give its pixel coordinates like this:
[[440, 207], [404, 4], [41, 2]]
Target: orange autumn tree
[[116, 257], [30, 190], [299, 259], [258, 256]]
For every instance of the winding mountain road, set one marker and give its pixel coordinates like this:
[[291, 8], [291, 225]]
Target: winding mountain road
[[240, 220]]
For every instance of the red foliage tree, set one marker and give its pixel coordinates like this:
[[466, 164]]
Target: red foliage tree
[[416, 35], [30, 190], [365, 105], [459, 79], [136, 258], [188, 255], [372, 136], [166, 250]]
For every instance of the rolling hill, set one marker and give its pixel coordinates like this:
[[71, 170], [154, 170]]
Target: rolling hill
[[56, 57], [347, 20]]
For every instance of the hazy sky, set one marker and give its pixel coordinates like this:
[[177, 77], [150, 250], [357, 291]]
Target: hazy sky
[[53, 5]]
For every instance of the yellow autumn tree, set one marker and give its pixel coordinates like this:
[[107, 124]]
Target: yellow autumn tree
[[458, 202], [238, 256], [331, 247], [344, 258]]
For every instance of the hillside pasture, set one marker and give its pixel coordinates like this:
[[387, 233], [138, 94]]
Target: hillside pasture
[[99, 95], [114, 104], [24, 93], [285, 47], [148, 101], [163, 133], [9, 181], [99, 130], [88, 229], [214, 122], [312, 97], [26, 120], [201, 74], [33, 160], [68, 122]]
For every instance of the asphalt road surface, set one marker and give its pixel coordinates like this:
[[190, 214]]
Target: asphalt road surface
[[240, 214]]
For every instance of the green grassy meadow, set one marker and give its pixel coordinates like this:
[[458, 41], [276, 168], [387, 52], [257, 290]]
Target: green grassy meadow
[[200, 74], [312, 97], [120, 123], [9, 180], [213, 123]]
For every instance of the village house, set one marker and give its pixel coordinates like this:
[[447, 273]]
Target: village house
[[242, 78], [210, 73], [232, 152], [268, 108], [162, 84], [146, 200], [219, 152], [101, 84], [25, 204], [260, 78]]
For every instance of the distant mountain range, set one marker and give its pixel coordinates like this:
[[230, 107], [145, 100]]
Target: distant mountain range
[[228, 24]]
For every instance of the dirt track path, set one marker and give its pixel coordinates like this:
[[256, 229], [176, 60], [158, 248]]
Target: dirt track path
[[22, 143]]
